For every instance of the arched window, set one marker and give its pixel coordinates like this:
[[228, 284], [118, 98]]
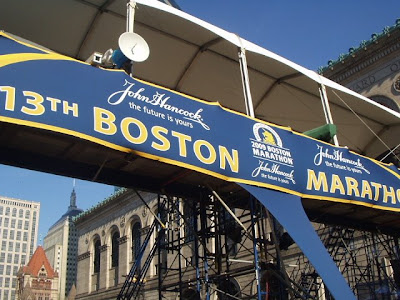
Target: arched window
[[115, 249], [96, 261], [190, 294], [385, 101], [229, 287], [270, 282], [135, 240]]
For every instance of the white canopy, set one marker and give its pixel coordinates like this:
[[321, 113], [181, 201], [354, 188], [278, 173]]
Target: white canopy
[[196, 58]]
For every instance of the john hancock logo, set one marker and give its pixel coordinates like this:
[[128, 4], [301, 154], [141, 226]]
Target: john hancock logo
[[272, 157], [138, 96]]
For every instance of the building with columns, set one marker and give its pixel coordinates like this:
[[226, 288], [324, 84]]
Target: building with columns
[[106, 246], [112, 233], [61, 245], [373, 70]]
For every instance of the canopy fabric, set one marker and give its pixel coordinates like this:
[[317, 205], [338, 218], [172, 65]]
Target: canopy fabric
[[196, 58]]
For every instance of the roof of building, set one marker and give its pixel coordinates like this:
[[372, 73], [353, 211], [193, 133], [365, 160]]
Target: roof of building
[[72, 211], [364, 45], [14, 201], [37, 261], [117, 193]]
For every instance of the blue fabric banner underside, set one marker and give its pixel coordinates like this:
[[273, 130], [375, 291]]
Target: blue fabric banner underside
[[288, 210]]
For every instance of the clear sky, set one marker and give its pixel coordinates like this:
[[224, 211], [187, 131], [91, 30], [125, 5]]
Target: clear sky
[[307, 32]]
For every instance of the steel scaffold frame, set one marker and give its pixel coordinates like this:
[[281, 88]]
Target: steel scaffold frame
[[203, 253]]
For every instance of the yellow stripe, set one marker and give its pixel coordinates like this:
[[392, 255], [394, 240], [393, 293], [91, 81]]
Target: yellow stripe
[[22, 43], [9, 59], [51, 55]]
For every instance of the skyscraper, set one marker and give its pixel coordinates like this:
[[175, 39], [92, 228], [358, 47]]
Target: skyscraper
[[60, 245], [19, 221]]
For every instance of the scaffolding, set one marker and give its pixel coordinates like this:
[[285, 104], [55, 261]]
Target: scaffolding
[[202, 248]]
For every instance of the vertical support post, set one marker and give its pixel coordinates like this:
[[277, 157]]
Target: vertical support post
[[203, 222], [130, 22], [377, 262], [396, 269], [256, 264], [179, 222], [196, 247], [279, 262], [246, 82], [217, 237], [280, 266], [130, 15], [327, 110], [159, 261]]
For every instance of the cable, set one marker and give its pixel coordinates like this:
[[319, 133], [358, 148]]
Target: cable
[[391, 152], [362, 121]]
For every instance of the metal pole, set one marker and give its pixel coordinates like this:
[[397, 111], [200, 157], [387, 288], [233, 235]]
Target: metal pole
[[327, 110], [196, 247], [228, 209], [256, 264], [280, 266], [150, 210], [246, 82], [130, 15], [203, 222], [179, 223], [160, 232]]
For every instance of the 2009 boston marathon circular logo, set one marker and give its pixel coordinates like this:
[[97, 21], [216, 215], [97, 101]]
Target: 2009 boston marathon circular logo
[[274, 161]]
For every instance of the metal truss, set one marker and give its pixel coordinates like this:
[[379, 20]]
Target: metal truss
[[205, 252]]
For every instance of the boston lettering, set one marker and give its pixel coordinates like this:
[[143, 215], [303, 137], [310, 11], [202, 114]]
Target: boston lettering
[[135, 132]]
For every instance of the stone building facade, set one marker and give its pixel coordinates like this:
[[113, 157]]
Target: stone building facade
[[103, 230], [37, 280], [107, 231], [221, 259], [373, 70]]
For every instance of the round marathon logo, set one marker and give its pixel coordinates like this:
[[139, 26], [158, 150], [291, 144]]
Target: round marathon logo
[[274, 162], [265, 134]]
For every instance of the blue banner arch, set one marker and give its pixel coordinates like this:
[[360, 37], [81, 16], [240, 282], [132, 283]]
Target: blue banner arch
[[41, 89]]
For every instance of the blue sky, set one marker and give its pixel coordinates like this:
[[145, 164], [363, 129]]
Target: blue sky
[[307, 32]]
